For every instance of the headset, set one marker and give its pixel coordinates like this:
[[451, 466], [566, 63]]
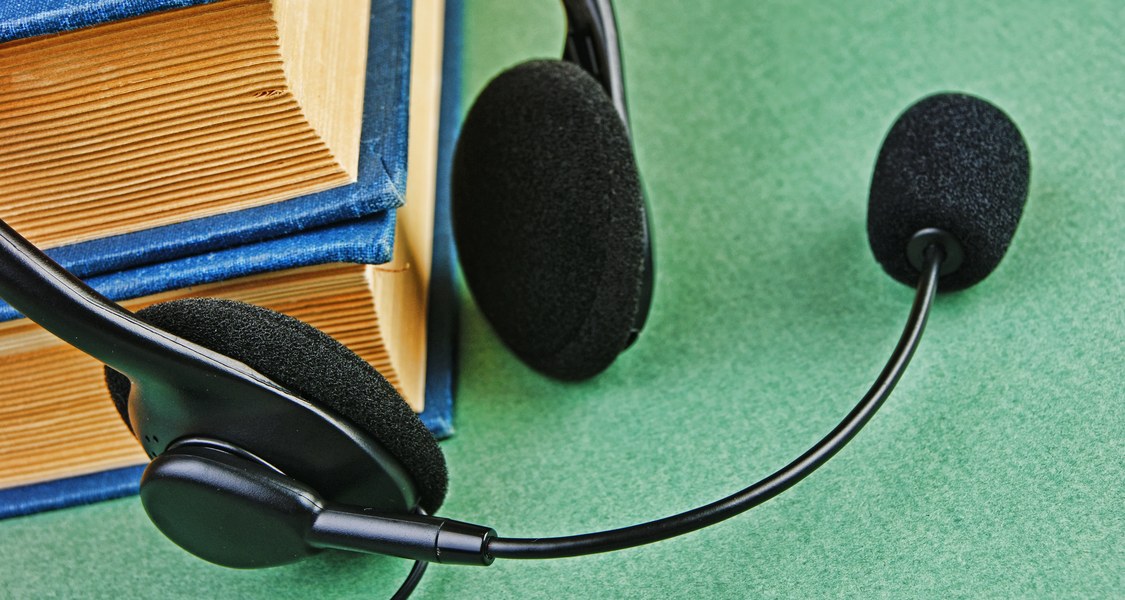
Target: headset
[[270, 440]]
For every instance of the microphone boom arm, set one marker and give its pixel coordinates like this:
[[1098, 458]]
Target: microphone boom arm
[[767, 488]]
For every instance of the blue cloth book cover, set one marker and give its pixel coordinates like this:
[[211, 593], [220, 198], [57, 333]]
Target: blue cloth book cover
[[350, 224]]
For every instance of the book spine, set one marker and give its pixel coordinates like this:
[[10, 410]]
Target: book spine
[[442, 321]]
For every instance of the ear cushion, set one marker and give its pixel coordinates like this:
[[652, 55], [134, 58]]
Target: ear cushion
[[313, 365], [548, 217]]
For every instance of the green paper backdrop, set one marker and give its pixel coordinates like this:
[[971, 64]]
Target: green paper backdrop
[[995, 471]]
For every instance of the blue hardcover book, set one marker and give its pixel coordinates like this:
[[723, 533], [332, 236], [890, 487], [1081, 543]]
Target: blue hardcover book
[[381, 176], [360, 239]]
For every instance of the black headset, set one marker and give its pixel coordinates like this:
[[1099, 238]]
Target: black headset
[[270, 440]]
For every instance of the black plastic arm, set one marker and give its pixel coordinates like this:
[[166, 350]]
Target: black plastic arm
[[772, 485], [46, 293], [592, 43]]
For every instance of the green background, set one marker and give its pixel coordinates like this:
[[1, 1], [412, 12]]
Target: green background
[[996, 470]]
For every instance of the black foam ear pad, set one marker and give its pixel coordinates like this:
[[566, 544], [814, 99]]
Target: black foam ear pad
[[549, 219], [308, 362]]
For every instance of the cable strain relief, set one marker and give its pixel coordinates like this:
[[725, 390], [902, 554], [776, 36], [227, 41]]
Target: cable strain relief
[[462, 543]]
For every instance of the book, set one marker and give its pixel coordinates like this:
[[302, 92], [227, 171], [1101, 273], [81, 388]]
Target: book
[[176, 114], [342, 299], [55, 392], [247, 214]]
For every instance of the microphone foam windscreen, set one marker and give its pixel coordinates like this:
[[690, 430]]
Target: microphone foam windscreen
[[312, 364], [548, 217], [952, 162]]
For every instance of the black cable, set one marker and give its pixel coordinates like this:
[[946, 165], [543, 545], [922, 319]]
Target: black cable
[[412, 580], [774, 484]]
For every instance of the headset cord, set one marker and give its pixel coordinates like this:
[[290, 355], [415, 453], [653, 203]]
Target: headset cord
[[415, 575], [412, 580], [772, 485]]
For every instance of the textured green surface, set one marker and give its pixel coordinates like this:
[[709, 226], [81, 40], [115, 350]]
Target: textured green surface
[[995, 471]]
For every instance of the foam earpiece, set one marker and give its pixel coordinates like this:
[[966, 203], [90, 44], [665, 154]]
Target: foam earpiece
[[313, 365], [956, 163], [549, 219]]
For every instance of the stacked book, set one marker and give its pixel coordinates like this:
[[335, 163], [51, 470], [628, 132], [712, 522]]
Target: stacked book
[[253, 150]]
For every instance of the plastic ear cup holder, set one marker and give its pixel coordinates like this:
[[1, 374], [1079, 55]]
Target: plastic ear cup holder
[[309, 443]]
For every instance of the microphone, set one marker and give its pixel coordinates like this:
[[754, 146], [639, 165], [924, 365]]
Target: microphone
[[953, 170]]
